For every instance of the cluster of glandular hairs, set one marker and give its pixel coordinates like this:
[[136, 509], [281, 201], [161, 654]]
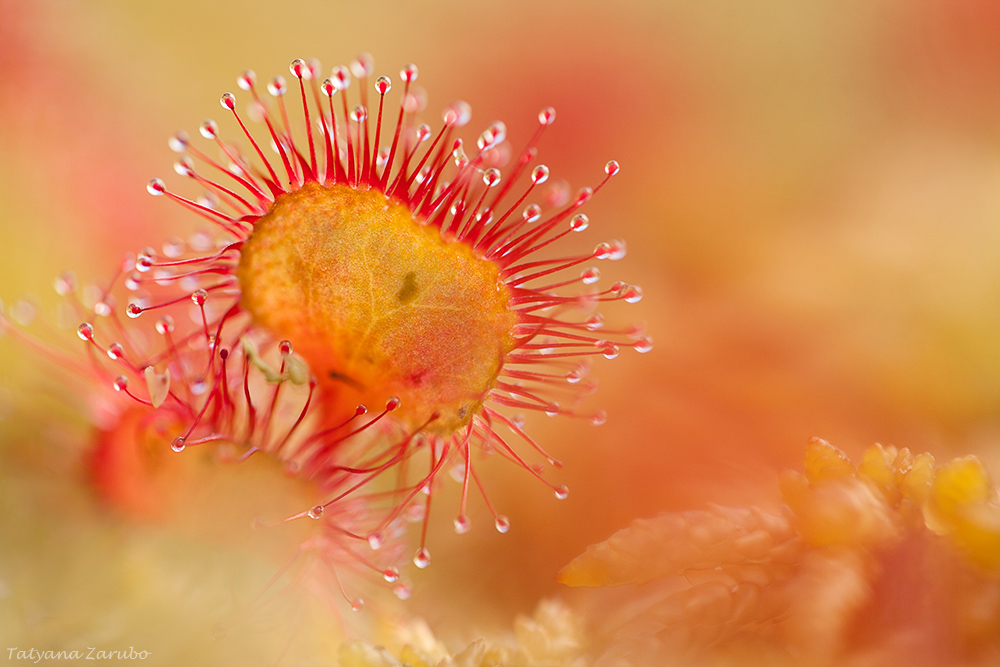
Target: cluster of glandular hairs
[[191, 348]]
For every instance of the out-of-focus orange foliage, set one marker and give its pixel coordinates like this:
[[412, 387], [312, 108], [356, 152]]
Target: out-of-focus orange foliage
[[893, 560]]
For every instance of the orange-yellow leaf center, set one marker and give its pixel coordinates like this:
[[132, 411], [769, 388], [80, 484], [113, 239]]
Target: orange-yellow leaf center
[[378, 304]]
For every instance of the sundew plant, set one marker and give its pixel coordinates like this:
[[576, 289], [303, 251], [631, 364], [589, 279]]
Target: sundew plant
[[373, 304]]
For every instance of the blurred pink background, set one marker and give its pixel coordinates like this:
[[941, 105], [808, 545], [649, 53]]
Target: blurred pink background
[[810, 197]]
